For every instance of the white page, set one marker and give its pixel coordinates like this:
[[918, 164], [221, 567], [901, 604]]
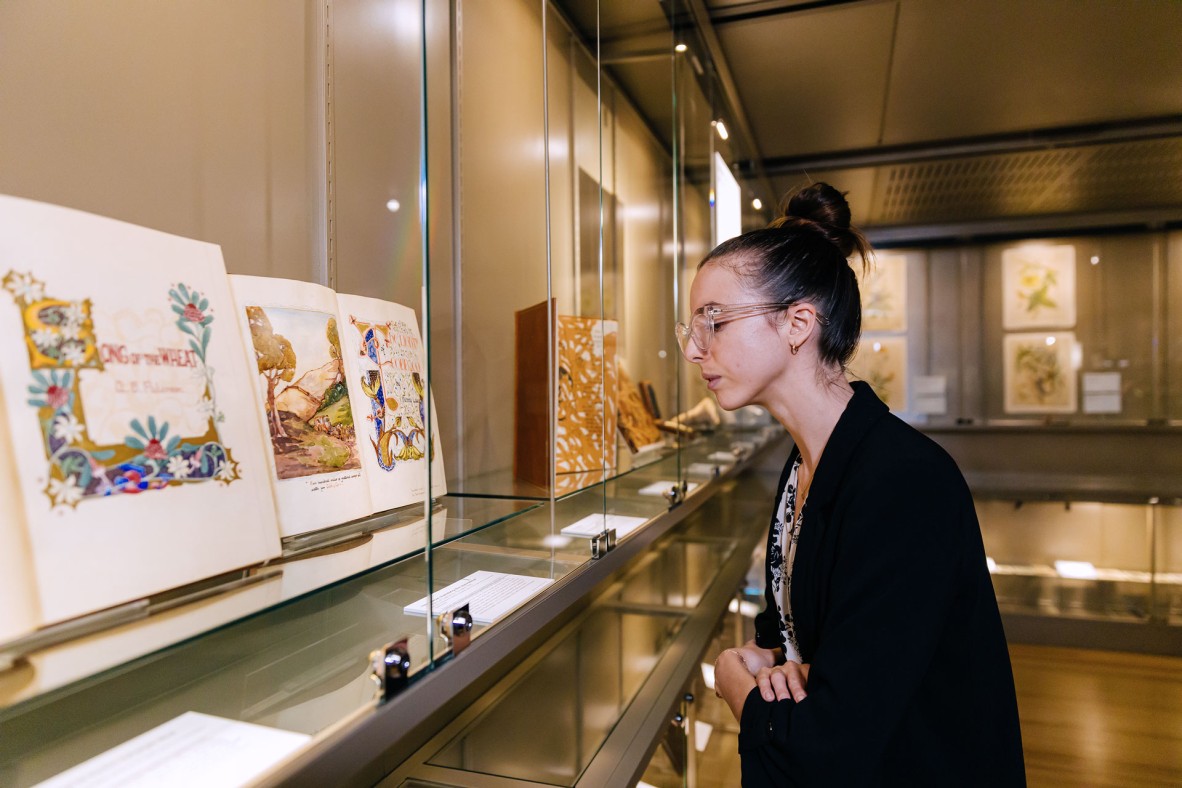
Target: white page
[[18, 603], [190, 751], [595, 524], [382, 347], [489, 595], [663, 487], [316, 463], [140, 456]]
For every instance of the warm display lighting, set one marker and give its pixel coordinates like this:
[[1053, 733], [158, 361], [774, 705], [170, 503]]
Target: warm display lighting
[[744, 608], [1077, 570], [720, 127], [757, 204], [680, 48], [393, 205]]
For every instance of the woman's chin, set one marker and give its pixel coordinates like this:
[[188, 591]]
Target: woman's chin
[[728, 401]]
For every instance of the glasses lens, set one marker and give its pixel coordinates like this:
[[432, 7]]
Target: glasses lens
[[702, 331], [682, 331]]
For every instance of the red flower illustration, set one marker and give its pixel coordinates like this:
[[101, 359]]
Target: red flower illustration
[[154, 451], [193, 313], [57, 396]]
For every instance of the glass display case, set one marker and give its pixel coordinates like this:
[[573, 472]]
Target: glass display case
[[1046, 367], [486, 167]]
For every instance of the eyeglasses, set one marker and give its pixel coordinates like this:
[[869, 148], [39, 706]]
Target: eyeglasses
[[702, 323]]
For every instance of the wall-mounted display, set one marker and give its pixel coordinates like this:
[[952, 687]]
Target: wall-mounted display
[[140, 460], [1038, 287], [884, 294], [882, 362], [1039, 373]]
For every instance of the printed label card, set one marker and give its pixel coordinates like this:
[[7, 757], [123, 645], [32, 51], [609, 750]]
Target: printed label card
[[384, 357], [293, 337], [129, 406]]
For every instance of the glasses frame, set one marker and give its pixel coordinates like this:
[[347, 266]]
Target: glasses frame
[[685, 332]]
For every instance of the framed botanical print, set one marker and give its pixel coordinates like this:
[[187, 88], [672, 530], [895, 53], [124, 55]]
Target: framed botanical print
[[884, 294], [1039, 373], [1038, 287]]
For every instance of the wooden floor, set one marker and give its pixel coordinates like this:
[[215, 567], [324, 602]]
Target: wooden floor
[[1099, 718], [1089, 718]]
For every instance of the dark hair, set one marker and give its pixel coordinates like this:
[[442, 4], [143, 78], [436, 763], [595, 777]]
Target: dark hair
[[802, 256]]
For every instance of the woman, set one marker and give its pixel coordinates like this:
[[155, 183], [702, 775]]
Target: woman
[[880, 658]]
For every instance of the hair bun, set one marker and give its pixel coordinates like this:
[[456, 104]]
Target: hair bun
[[823, 208]]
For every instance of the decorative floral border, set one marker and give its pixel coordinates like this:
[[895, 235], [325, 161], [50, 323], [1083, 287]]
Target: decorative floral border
[[61, 342], [393, 440]]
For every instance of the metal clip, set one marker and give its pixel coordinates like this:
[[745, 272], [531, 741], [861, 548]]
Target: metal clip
[[603, 543], [598, 546], [389, 667], [675, 494], [456, 628]]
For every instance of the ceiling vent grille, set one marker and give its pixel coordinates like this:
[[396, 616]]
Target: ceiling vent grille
[[1090, 179]]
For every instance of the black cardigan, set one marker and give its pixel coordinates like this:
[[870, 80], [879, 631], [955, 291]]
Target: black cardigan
[[910, 680]]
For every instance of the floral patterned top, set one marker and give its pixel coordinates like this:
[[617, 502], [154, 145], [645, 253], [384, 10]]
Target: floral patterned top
[[780, 560]]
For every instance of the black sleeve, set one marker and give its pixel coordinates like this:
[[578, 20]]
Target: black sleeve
[[892, 585]]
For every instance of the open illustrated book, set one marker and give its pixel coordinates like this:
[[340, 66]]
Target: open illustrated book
[[152, 435], [132, 461], [340, 386]]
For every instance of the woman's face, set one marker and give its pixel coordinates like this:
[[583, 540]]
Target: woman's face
[[747, 355]]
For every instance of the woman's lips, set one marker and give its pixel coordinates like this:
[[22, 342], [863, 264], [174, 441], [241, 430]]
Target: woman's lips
[[711, 381]]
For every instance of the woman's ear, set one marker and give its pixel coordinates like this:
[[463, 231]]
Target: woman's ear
[[802, 323]]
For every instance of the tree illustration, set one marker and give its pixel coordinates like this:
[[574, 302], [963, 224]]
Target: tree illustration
[[334, 346], [276, 360]]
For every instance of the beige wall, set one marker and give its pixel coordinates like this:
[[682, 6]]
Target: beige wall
[[118, 108]]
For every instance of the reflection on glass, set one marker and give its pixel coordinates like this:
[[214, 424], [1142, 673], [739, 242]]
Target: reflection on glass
[[550, 724]]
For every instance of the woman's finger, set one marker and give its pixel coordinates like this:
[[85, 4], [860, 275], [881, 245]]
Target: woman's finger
[[763, 680], [780, 684], [796, 678]]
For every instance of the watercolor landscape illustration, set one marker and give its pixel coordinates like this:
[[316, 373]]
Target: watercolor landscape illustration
[[298, 355]]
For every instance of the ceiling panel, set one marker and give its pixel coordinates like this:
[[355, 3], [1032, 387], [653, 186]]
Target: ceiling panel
[[975, 68], [812, 80], [1092, 179]]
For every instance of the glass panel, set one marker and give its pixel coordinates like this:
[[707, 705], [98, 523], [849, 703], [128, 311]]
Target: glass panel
[[1074, 559], [498, 264], [288, 133], [1169, 563], [302, 668], [550, 724]]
